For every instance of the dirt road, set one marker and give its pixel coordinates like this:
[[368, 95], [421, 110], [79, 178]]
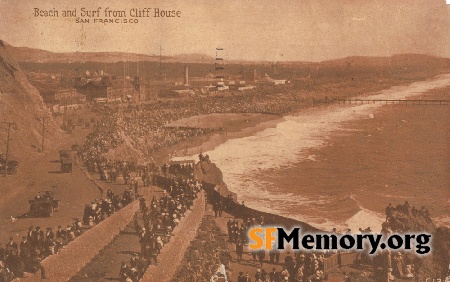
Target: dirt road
[[38, 173]]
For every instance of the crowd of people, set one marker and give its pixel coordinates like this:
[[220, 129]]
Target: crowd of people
[[155, 221], [146, 127], [309, 266], [15, 259], [205, 254], [300, 267], [407, 210], [99, 209]]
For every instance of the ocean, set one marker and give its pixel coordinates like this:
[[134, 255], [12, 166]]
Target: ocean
[[281, 169]]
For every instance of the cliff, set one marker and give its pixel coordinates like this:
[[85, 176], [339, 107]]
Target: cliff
[[21, 104]]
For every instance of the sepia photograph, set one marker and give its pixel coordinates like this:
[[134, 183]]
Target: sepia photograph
[[225, 141]]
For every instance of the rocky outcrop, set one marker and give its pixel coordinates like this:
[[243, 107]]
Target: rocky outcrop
[[208, 172], [404, 219]]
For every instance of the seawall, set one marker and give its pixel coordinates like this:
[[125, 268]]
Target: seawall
[[73, 257], [241, 211], [172, 253]]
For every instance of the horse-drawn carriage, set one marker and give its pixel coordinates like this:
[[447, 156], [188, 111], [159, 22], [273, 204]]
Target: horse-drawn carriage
[[43, 205], [66, 161], [10, 167]]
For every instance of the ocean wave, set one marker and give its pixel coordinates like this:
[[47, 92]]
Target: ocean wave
[[442, 221], [242, 160]]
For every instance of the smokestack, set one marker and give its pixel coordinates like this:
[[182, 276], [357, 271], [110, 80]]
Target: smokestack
[[186, 76], [255, 75]]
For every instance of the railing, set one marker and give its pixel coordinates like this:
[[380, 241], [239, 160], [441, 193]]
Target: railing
[[332, 262]]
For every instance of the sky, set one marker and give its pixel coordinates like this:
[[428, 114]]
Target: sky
[[291, 30]]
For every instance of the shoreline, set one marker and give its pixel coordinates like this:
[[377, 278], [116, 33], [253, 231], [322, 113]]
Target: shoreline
[[340, 134], [207, 142]]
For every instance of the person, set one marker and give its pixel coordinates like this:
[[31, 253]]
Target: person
[[11, 246], [36, 263], [241, 277], [25, 250], [239, 250], [261, 256], [2, 253], [220, 208], [61, 235], [406, 208], [49, 234], [124, 269], [5, 274], [225, 258], [109, 194], [284, 273], [254, 254], [398, 266], [229, 227], [274, 254], [38, 239], [389, 211], [216, 211], [273, 275], [136, 189], [408, 271], [30, 234], [289, 263], [258, 275]]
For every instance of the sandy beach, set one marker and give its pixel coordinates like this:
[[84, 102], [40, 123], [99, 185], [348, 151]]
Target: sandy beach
[[399, 153]]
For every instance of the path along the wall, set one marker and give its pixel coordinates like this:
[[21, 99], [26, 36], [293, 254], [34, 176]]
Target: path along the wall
[[173, 252]]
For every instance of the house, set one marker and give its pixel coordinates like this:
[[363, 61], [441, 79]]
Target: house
[[114, 89], [60, 95]]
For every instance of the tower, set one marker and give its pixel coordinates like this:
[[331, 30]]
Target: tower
[[186, 76], [218, 65]]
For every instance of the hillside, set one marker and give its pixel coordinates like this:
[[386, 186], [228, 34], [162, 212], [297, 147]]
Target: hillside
[[22, 104], [25, 54], [399, 60], [31, 55]]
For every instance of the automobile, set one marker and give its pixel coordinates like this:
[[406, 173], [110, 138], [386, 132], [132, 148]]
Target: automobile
[[66, 165], [44, 204], [11, 167], [66, 161]]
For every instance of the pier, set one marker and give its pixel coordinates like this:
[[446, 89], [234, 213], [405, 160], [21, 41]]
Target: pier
[[394, 102]]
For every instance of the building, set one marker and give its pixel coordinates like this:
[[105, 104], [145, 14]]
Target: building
[[270, 81], [61, 95], [113, 89]]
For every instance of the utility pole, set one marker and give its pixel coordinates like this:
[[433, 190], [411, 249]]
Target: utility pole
[[65, 116], [43, 132], [160, 63], [7, 146]]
